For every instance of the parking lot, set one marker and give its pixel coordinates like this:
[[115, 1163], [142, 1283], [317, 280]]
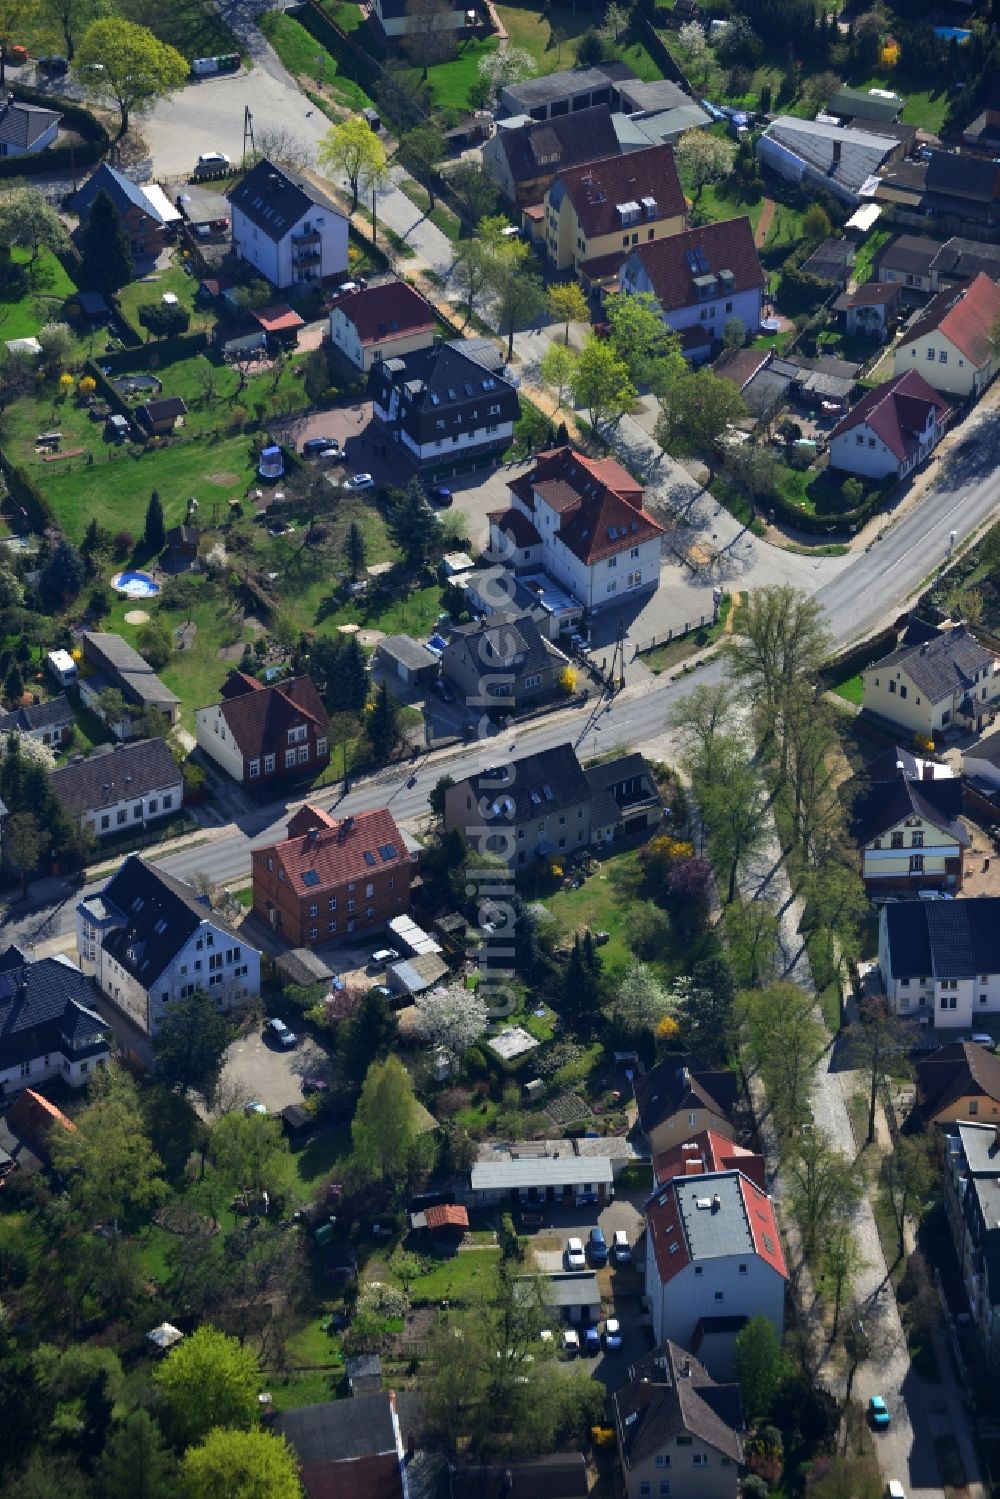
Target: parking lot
[[257, 1070]]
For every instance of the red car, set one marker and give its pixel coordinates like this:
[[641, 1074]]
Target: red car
[[17, 55]]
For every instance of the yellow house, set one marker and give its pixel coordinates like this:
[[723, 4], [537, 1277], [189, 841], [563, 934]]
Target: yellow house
[[596, 213], [949, 679], [381, 322], [958, 1082], [950, 343]]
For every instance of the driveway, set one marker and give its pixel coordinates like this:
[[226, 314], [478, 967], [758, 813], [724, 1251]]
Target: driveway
[[256, 1070]]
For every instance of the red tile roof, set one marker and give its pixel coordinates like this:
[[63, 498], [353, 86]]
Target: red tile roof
[[279, 318], [598, 502], [726, 246], [965, 318], [392, 310], [596, 188], [259, 718], [336, 855], [308, 817], [763, 1226], [707, 1151], [672, 1236], [517, 526], [446, 1215], [666, 1229], [896, 412]]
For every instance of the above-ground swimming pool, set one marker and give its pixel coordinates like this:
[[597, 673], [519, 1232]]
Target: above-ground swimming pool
[[958, 32], [135, 585]]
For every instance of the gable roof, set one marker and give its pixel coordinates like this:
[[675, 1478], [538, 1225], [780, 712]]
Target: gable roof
[[711, 1217], [23, 124], [392, 310], [558, 1475], [869, 294], [678, 1079], [274, 200], [961, 175], [325, 856], [857, 103], [815, 143], [161, 409], [963, 259], [541, 147], [158, 913], [943, 938], [124, 194], [529, 93], [56, 712], [115, 774], [964, 317], [897, 788], [338, 1430], [599, 503], [597, 189], [674, 264], [133, 672], [46, 1006], [670, 1394], [897, 411], [259, 717], [943, 665], [958, 1070], [739, 366], [612, 791], [278, 318], [511, 645], [705, 1152], [31, 1116], [532, 785], [912, 254]]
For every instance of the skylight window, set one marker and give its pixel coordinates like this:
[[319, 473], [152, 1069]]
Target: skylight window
[[536, 799], [160, 927], [388, 851], [310, 877], [547, 790], [435, 398], [369, 858], [452, 393], [138, 903], [612, 533]]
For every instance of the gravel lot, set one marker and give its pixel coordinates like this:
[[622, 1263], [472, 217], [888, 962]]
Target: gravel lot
[[256, 1070]]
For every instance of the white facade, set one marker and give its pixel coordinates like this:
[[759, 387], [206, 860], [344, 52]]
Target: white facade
[[742, 1285], [135, 811], [710, 316], [945, 1003], [438, 450], [216, 741], [451, 20], [314, 248], [50, 1065], [861, 451], [944, 365]]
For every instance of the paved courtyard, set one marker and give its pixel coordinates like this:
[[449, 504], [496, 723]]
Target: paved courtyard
[[258, 1071]]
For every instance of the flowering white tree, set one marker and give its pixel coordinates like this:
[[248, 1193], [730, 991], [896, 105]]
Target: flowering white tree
[[692, 42], [639, 1001], [501, 69], [452, 1018], [29, 749], [380, 1299]]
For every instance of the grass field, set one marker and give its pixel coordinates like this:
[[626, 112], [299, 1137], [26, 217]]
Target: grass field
[[174, 279], [42, 303], [450, 82], [552, 37], [302, 55], [192, 26], [852, 690], [462, 1278]]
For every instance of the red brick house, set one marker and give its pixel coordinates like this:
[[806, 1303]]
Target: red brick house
[[266, 735], [333, 881]]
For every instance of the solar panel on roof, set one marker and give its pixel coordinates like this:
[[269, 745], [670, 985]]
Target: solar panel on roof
[[310, 877], [369, 858]]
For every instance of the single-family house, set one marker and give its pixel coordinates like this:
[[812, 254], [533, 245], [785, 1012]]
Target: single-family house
[[541, 1171], [162, 416], [332, 879], [182, 545], [524, 156], [26, 127], [702, 280], [940, 960], [871, 310], [959, 261], [713, 1252], [906, 824], [708, 1152], [121, 788], [381, 322], [972, 1205], [959, 1081], [907, 262], [49, 1025], [950, 342], [929, 686], [680, 1098], [407, 659], [109, 661], [48, 723], [891, 430], [597, 212], [582, 521], [148, 939], [623, 798], [263, 736], [842, 160], [570, 92], [679, 1432], [961, 191], [149, 219], [351, 1449], [398, 18], [504, 663], [286, 228], [444, 411]]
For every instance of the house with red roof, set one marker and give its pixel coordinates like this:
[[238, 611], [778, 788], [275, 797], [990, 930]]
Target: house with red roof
[[706, 1153], [583, 522], [891, 430], [950, 342], [381, 322], [266, 735], [333, 880], [714, 1260], [702, 279]]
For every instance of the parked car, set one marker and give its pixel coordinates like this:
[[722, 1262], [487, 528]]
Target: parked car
[[894, 1489], [254, 1107], [53, 63], [440, 496], [878, 1414], [315, 1085], [17, 55], [278, 1031], [383, 956], [571, 1342], [612, 1333], [575, 1257], [592, 1341], [360, 481], [212, 161], [621, 1249], [598, 1246], [314, 446]]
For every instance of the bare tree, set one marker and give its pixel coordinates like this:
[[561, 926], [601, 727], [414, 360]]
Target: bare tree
[[429, 37], [284, 148]]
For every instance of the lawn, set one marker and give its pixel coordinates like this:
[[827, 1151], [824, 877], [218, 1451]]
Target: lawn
[[42, 303], [451, 82], [724, 200], [552, 37], [460, 1278], [440, 215], [192, 26], [182, 283], [852, 690], [303, 55], [672, 654]]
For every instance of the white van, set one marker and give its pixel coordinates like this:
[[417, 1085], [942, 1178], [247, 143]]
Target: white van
[[894, 1490]]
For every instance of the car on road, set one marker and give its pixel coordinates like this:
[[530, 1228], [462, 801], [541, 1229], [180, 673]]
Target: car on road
[[878, 1414], [983, 1038], [212, 161], [278, 1031], [592, 1342], [254, 1107], [53, 63], [612, 1333], [621, 1249], [360, 481], [571, 1342], [382, 956], [440, 496], [316, 447], [575, 1257], [598, 1247]]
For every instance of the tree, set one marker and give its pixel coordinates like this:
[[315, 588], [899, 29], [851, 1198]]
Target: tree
[[355, 550], [591, 49], [696, 411], [414, 526], [816, 224], [421, 152], [128, 65], [699, 720], [568, 304], [734, 333], [155, 644], [617, 19], [382, 723], [477, 192], [135, 1464], [557, 367], [849, 1477], [456, 1367], [109, 1165], [62, 576], [819, 88], [28, 221], [693, 44], [499, 70], [877, 1047], [13, 685], [435, 799], [384, 1126], [189, 1045], [245, 1150], [105, 259], [842, 1262], [910, 1178], [852, 492], [784, 641], [353, 150], [760, 1367], [13, 14], [22, 845], [452, 1018], [72, 17], [402, 96], [429, 38], [601, 383], [241, 1465], [512, 281], [470, 272], [367, 1037], [734, 809], [154, 531], [514, 1319], [641, 340], [785, 1040], [582, 986], [705, 1009], [703, 158], [822, 1184], [208, 1380], [638, 1000]]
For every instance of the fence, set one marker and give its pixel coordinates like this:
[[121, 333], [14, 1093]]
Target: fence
[[655, 641]]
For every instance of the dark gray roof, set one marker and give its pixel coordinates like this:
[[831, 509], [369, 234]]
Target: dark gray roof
[[56, 711], [533, 786], [363, 1366], [831, 260], [671, 1394], [962, 176], [408, 651], [104, 778], [123, 192], [676, 1080], [988, 748], [158, 913], [912, 254], [939, 667], [483, 350], [944, 938], [275, 200], [954, 1071], [511, 645], [963, 259], [339, 1429], [23, 124], [541, 147], [443, 385], [895, 791], [529, 93], [568, 1288], [46, 1007], [132, 672], [558, 1475], [720, 1229]]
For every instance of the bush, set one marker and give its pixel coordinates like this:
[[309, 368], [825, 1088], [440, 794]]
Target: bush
[[164, 320], [591, 49]]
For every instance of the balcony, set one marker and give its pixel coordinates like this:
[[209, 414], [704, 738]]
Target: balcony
[[305, 256], [307, 237]]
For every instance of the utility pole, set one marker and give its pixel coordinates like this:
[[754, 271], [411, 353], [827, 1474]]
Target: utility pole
[[374, 227], [248, 132]]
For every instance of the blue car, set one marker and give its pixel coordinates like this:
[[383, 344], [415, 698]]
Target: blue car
[[591, 1342], [878, 1413], [598, 1247]]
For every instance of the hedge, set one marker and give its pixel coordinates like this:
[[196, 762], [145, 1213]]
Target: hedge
[[24, 493], [158, 351], [855, 658], [107, 391], [95, 139]]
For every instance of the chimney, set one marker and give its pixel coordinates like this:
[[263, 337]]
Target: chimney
[[685, 1370], [928, 770], [716, 1203], [837, 148]]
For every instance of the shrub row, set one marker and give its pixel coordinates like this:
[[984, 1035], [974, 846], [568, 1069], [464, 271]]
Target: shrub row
[[158, 351], [779, 508], [25, 494], [855, 658], [95, 139]]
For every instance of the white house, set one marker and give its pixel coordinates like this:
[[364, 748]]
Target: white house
[[583, 521], [400, 17], [26, 127], [906, 824], [148, 938], [381, 322], [950, 343], [49, 1025], [714, 1257], [286, 228], [701, 278], [928, 686], [940, 960], [120, 789], [444, 409], [891, 430]]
